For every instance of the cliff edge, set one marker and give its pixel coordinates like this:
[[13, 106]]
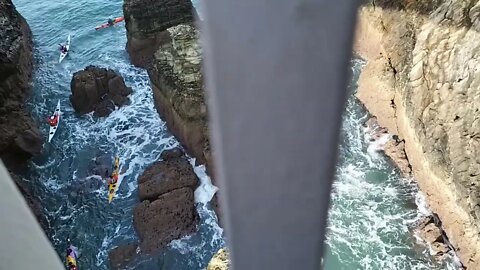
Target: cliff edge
[[19, 134], [421, 82], [163, 39]]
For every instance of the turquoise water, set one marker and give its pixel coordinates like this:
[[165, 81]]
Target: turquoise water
[[372, 206]]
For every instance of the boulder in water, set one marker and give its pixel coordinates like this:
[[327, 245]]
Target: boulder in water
[[167, 211], [98, 90]]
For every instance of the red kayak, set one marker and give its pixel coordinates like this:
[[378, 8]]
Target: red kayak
[[105, 25]]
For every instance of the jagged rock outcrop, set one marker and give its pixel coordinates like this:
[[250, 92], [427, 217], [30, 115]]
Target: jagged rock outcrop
[[429, 230], [147, 21], [20, 137], [422, 82], [167, 209], [219, 261], [166, 43], [99, 90]]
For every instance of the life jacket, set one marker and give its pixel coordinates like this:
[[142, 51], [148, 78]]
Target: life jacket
[[53, 122], [72, 260]]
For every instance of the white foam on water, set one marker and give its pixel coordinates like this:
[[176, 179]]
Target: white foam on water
[[206, 190], [106, 243], [209, 222], [372, 206]]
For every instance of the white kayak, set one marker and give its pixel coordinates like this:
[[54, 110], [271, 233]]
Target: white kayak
[[53, 129], [64, 54]]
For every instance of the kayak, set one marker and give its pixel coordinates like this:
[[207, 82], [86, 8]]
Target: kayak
[[63, 55], [106, 25], [72, 256], [53, 129], [112, 188]]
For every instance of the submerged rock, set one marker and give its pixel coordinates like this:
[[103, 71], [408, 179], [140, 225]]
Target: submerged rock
[[219, 261], [120, 256], [99, 90]]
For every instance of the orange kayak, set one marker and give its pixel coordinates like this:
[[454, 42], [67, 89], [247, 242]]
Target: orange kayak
[[105, 25]]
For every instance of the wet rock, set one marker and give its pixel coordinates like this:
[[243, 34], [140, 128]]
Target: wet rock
[[167, 211], [171, 216], [429, 230], [171, 173], [20, 137], [166, 43], [421, 81], [19, 134], [32, 201], [395, 150], [99, 90], [121, 256], [146, 22], [30, 141], [220, 261]]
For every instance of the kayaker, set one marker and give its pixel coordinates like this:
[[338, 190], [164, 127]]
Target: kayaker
[[113, 179], [53, 120], [63, 48], [110, 21]]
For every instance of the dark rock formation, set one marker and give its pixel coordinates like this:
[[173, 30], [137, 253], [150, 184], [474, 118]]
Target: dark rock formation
[[99, 90], [19, 134], [20, 137], [167, 209], [146, 22], [168, 175], [31, 200], [166, 43]]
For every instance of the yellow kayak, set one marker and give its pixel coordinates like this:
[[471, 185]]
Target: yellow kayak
[[112, 187]]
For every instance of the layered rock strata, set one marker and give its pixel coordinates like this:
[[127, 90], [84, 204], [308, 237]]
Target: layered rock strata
[[421, 82], [163, 40]]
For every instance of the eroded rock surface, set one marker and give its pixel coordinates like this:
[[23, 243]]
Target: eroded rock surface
[[422, 82], [167, 209], [99, 90], [20, 137], [165, 42]]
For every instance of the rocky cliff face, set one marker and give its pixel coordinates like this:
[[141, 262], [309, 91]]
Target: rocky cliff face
[[20, 137], [146, 22], [19, 134], [421, 82], [163, 40]]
